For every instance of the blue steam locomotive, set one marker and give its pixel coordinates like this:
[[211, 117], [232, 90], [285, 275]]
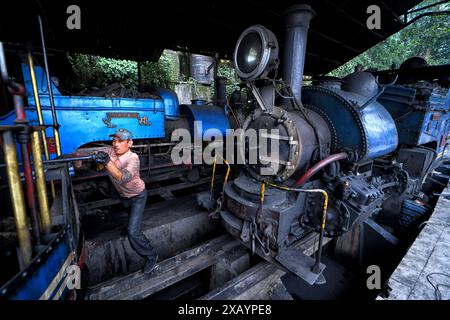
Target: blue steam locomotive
[[350, 150], [85, 120]]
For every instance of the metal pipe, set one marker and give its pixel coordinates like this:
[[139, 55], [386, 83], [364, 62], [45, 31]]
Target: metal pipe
[[50, 92], [17, 198], [57, 141], [3, 69], [39, 113], [19, 107], [40, 182], [62, 160], [69, 159], [220, 91], [297, 24], [18, 92], [12, 86], [29, 187], [36, 95], [319, 165], [24, 139]]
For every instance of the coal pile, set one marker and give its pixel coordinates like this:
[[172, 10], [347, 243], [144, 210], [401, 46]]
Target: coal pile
[[116, 90]]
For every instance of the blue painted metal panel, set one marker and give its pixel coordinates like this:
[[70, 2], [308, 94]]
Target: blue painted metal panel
[[198, 102], [88, 119], [371, 131], [348, 135], [381, 132], [421, 117], [41, 80], [171, 105], [31, 283], [210, 117]]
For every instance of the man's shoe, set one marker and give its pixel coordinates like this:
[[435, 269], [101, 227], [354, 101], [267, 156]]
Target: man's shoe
[[150, 265]]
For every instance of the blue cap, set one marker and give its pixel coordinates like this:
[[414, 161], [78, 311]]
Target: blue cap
[[122, 134]]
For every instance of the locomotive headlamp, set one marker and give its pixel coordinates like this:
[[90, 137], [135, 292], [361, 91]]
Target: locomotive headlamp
[[256, 53]]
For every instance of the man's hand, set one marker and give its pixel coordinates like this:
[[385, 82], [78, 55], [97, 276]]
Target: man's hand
[[101, 157]]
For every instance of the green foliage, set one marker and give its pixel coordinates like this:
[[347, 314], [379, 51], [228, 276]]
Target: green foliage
[[428, 37], [121, 71], [163, 73], [225, 69], [87, 70], [95, 71]]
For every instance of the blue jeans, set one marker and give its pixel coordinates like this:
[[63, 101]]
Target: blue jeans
[[138, 240]]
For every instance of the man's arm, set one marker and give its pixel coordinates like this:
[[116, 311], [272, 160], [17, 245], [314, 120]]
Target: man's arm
[[125, 174], [115, 172]]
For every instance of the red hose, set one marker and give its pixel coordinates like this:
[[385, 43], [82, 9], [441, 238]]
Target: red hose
[[319, 165], [30, 191]]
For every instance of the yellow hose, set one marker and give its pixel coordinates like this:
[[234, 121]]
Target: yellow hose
[[227, 174], [213, 174], [263, 190]]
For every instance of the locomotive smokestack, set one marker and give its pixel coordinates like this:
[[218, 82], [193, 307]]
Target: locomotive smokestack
[[297, 24]]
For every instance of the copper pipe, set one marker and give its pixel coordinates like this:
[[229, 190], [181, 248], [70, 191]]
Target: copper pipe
[[39, 113], [40, 182], [319, 165], [17, 198]]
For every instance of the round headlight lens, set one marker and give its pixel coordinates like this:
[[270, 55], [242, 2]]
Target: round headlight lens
[[249, 52], [256, 53]]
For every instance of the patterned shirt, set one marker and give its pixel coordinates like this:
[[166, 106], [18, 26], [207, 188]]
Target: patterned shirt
[[130, 184]]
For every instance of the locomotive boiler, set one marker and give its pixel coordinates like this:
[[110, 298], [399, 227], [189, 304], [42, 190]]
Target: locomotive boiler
[[348, 150]]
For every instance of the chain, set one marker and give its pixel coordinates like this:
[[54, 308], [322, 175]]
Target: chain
[[255, 236]]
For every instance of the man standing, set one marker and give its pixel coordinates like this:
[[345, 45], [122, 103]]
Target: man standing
[[123, 170]]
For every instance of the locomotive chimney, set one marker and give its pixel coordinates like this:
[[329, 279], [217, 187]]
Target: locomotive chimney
[[297, 24]]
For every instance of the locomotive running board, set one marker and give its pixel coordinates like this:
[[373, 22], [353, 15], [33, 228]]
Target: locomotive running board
[[299, 264]]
